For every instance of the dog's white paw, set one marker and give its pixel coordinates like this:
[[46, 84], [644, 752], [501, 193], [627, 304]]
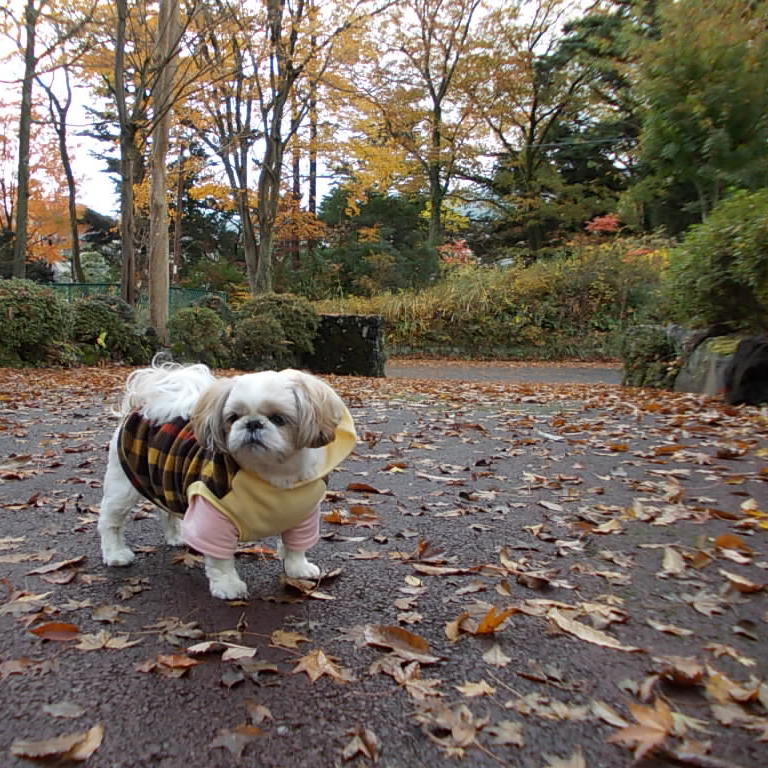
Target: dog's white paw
[[172, 531], [119, 556], [297, 566], [228, 588]]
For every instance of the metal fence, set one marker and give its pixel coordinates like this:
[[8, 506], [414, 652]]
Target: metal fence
[[177, 297]]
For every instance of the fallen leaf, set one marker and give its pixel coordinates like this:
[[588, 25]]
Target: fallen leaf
[[283, 639], [670, 629], [64, 709], [732, 541], [740, 583], [682, 670], [364, 742], [471, 690], [77, 746], [56, 630], [496, 657], [236, 739], [654, 726], [507, 732], [584, 632], [316, 664], [403, 643]]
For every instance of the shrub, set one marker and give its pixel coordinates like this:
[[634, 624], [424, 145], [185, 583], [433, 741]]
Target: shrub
[[650, 357], [219, 305], [719, 273], [572, 306], [104, 327], [259, 343], [33, 319], [199, 335], [274, 330]]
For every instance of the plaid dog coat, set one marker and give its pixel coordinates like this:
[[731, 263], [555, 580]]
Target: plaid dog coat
[[168, 466]]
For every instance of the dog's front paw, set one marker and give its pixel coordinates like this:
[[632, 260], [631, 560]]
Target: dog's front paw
[[118, 557], [297, 566], [223, 580], [228, 588]]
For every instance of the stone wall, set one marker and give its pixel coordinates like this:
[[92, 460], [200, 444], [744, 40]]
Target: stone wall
[[351, 345]]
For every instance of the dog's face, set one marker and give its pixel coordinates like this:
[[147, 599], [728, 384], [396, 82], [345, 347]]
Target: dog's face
[[267, 417]]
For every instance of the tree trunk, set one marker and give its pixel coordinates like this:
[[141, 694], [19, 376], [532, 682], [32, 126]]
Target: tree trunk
[[269, 196], [58, 112], [158, 206], [177, 228], [435, 236], [295, 245], [31, 14], [127, 151]]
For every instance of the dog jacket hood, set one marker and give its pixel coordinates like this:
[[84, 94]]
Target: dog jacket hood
[[167, 465]]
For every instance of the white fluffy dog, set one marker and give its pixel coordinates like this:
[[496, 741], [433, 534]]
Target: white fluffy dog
[[226, 460]]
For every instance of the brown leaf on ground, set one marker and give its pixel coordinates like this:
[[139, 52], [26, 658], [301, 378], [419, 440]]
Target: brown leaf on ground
[[364, 742], [681, 670], [62, 564], [655, 724], [584, 632], [405, 644], [58, 631], [451, 728], [236, 739], [317, 663], [75, 747], [281, 638]]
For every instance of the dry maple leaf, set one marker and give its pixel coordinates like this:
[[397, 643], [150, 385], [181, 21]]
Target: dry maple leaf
[[364, 742], [452, 729], [655, 724], [103, 639], [317, 663], [496, 656], [507, 733], [236, 739]]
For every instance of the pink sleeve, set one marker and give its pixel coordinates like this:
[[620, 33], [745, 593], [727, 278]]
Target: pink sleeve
[[207, 530], [304, 535]]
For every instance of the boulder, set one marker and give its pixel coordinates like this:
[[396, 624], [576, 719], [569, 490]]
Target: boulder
[[705, 367], [351, 345], [746, 376]]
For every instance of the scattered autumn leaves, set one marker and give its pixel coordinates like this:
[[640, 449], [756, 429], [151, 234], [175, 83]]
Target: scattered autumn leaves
[[505, 529]]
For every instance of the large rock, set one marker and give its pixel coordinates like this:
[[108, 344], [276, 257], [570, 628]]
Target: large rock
[[704, 369], [746, 377], [350, 345]]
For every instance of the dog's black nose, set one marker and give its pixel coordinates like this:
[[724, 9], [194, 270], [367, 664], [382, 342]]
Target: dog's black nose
[[254, 425]]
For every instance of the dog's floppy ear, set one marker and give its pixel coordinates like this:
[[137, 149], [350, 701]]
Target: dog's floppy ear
[[208, 417], [319, 411]]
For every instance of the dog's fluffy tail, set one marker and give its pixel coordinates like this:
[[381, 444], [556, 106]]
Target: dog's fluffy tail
[[166, 390]]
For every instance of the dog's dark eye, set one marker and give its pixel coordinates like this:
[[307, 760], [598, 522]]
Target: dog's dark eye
[[278, 419], [232, 418]]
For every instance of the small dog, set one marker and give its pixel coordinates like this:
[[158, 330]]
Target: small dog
[[226, 460]]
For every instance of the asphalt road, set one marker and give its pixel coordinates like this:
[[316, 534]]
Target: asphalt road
[[552, 549]]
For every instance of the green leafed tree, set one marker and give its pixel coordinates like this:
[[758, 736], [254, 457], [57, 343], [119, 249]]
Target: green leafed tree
[[704, 86]]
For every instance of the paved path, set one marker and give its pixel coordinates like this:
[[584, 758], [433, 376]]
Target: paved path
[[513, 570], [511, 372]]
